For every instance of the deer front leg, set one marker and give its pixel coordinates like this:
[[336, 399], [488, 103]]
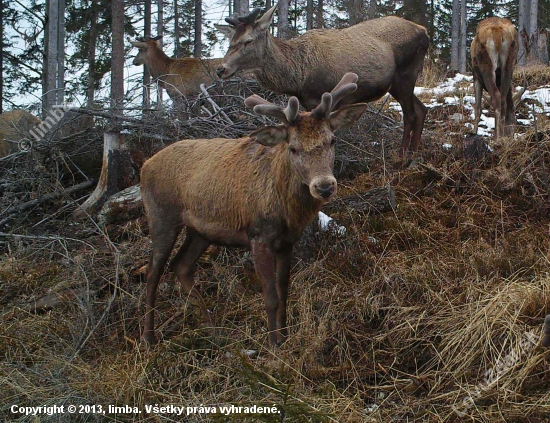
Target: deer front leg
[[283, 277], [264, 264]]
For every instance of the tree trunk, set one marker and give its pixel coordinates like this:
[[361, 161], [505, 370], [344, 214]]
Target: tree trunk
[[320, 19], [523, 29], [455, 35], [177, 37], [533, 32], [90, 92], [117, 172], [146, 74], [355, 9], [309, 15], [463, 38], [245, 6], [372, 9], [50, 70], [282, 25], [1, 55], [197, 50], [160, 31], [117, 57], [60, 93]]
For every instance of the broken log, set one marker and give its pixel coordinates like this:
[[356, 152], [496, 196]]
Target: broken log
[[375, 201], [546, 340], [123, 206], [117, 173]]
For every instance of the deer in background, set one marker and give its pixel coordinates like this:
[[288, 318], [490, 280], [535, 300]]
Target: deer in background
[[387, 54], [15, 126], [179, 77], [258, 192], [494, 50]]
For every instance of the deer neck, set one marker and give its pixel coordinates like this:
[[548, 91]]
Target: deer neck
[[283, 66], [158, 63], [298, 206]]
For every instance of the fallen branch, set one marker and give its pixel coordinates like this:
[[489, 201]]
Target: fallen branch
[[377, 200], [214, 105], [48, 197]]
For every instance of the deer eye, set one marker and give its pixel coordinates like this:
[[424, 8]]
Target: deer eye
[[247, 42], [293, 150], [332, 140]]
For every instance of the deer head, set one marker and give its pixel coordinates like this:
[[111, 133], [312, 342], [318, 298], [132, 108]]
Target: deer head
[[248, 37], [143, 45], [307, 137]]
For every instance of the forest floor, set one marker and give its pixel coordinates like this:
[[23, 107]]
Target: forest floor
[[430, 313]]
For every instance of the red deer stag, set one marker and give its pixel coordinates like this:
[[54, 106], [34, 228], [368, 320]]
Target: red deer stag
[[387, 54], [494, 50], [258, 192], [179, 77]]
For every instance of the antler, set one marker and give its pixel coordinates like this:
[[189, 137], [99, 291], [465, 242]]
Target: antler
[[249, 19], [148, 38], [263, 107], [346, 86]]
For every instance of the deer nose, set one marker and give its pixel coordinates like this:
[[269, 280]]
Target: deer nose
[[325, 190], [220, 71]]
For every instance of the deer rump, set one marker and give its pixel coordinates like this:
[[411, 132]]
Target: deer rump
[[494, 50]]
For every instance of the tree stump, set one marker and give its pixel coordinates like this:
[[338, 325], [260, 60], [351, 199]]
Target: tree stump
[[117, 173]]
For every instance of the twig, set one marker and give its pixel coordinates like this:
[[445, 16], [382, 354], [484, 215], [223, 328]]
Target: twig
[[215, 105]]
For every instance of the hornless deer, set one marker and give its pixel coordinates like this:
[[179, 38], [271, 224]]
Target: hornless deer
[[258, 192], [180, 77], [387, 54], [494, 50], [14, 126]]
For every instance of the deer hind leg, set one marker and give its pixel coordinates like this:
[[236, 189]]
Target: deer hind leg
[[478, 90], [183, 265], [164, 233], [409, 117], [490, 84], [418, 125], [509, 113]]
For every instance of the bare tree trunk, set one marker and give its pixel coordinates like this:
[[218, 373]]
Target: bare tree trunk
[[117, 57], [533, 32], [160, 31], [463, 38], [1, 55], [146, 74], [355, 9], [309, 15], [90, 92], [523, 29], [455, 31], [320, 19], [177, 36], [282, 25], [50, 69], [197, 50], [245, 6], [60, 93], [372, 9]]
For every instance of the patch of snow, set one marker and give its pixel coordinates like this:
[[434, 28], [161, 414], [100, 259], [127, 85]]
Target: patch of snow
[[447, 146], [371, 408], [327, 223]]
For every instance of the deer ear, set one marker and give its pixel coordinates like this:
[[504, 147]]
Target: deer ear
[[347, 116], [265, 21], [270, 136], [226, 30]]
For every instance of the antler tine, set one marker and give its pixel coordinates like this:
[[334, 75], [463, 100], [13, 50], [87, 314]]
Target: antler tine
[[265, 108], [158, 37], [291, 110], [250, 19], [346, 86], [233, 19]]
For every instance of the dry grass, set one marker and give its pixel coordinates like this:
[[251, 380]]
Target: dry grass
[[407, 316]]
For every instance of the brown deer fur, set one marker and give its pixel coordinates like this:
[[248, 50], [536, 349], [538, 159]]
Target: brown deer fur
[[179, 77], [494, 50], [14, 126], [387, 54], [258, 192]]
